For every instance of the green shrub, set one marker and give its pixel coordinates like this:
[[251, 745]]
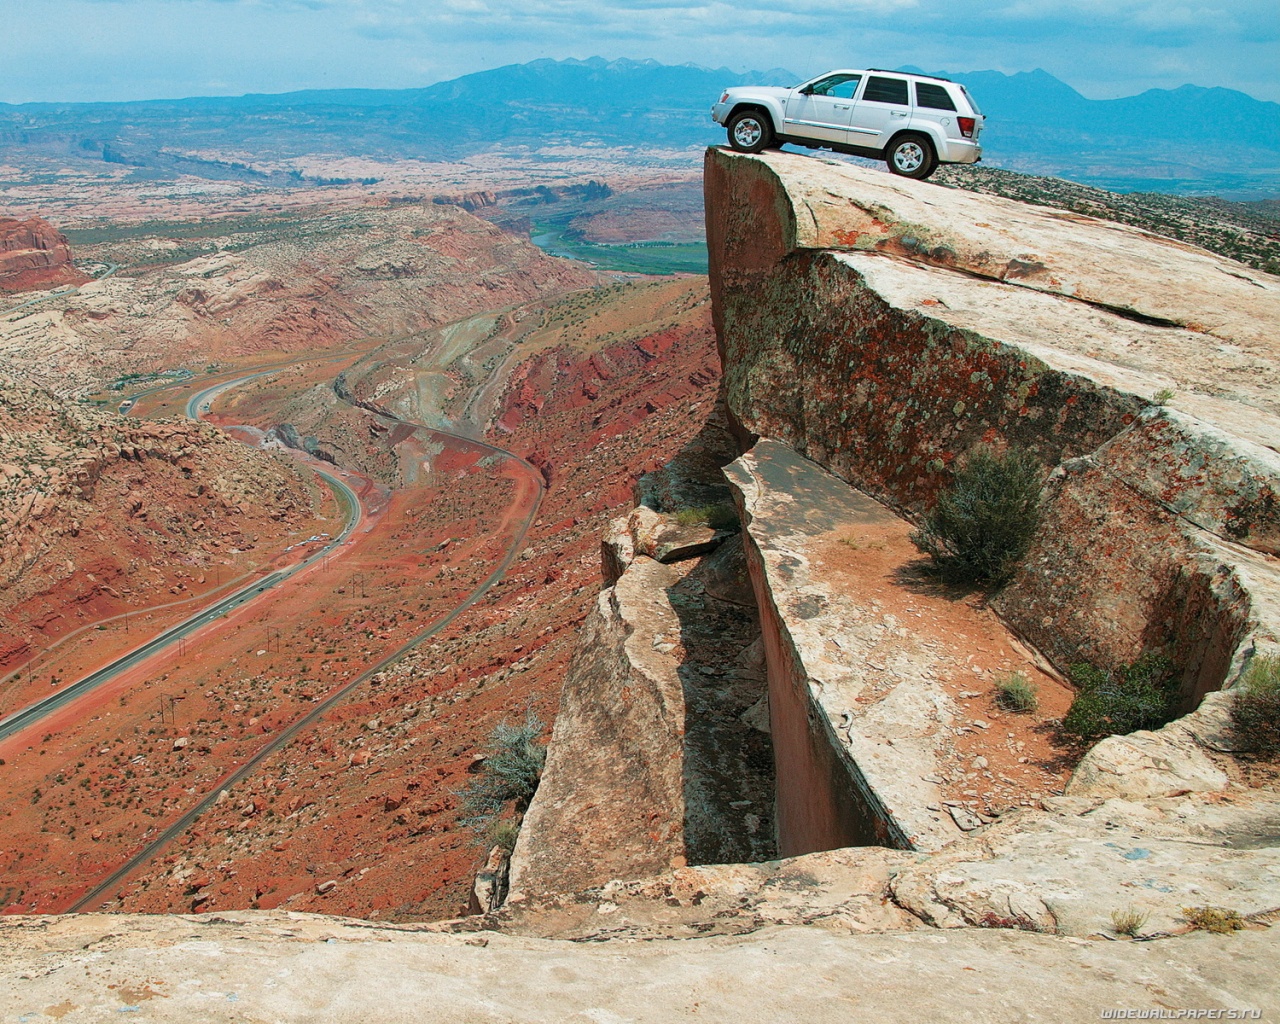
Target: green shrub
[[511, 770], [1143, 695], [1219, 920], [983, 523], [1255, 707], [1014, 692]]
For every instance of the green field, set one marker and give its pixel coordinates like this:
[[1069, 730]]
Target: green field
[[631, 257]]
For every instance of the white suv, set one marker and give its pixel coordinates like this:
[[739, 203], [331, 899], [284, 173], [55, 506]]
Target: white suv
[[912, 122]]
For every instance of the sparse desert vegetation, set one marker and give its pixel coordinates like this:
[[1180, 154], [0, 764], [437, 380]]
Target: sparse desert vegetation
[[984, 520], [1142, 695], [1255, 706]]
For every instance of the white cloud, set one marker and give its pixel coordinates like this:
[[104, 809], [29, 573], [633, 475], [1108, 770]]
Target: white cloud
[[140, 48]]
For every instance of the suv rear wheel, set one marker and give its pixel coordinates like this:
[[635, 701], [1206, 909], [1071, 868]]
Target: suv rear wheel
[[912, 156], [750, 131]]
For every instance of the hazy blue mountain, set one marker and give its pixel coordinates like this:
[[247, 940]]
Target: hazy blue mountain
[[1186, 139], [1190, 139]]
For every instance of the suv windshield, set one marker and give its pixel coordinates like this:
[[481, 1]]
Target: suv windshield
[[840, 86]]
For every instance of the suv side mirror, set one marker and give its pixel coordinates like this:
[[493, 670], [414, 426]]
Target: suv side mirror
[[806, 90]]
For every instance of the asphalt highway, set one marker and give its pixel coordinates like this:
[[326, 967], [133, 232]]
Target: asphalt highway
[[346, 497], [101, 892]]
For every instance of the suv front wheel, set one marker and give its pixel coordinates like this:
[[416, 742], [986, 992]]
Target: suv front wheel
[[750, 131], [912, 156]]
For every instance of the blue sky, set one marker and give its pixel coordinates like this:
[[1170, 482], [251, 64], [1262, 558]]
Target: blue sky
[[142, 49]]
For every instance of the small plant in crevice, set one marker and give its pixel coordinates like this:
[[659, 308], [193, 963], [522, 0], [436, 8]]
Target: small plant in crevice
[[723, 516], [1219, 920], [983, 522], [504, 833], [510, 771], [855, 543], [1162, 397], [1143, 695], [1128, 921], [1019, 922], [1255, 706], [1015, 693]]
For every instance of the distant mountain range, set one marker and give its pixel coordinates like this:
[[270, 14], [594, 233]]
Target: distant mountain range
[[1189, 139], [1186, 140]]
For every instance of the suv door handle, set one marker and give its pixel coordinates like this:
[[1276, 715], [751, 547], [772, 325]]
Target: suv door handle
[[842, 106], [897, 113]]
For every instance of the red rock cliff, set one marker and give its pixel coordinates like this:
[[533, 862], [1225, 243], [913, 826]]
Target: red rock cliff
[[33, 254]]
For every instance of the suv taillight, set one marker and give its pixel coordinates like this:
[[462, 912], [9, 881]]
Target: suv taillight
[[966, 126], [724, 95]]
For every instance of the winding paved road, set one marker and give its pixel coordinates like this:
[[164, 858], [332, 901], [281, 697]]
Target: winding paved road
[[200, 402], [346, 497]]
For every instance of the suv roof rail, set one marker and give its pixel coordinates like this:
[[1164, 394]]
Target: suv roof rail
[[912, 74]]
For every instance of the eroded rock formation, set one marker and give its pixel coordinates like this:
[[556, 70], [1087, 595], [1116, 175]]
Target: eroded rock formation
[[34, 255], [884, 329], [873, 332]]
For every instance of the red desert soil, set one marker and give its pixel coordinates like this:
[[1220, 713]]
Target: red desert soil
[[367, 797], [126, 526], [161, 736], [1023, 755]]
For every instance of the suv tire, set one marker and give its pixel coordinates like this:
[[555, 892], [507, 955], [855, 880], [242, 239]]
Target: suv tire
[[911, 155], [750, 131]]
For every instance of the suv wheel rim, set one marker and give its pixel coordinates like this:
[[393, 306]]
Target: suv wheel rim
[[747, 132], [909, 156]]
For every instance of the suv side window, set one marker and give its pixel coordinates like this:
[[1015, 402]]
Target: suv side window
[[886, 90], [840, 86], [934, 96]]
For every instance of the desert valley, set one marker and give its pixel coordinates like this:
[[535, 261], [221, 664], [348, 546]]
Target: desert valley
[[511, 551]]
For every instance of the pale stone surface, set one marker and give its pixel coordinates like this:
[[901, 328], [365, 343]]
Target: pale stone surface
[[659, 536], [617, 549], [1113, 351], [840, 890], [1145, 765], [251, 966], [1067, 869], [620, 726], [882, 750], [1210, 723], [835, 205]]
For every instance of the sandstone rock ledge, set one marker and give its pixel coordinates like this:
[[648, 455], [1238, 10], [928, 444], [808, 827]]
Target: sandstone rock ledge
[[654, 761], [261, 966], [883, 328]]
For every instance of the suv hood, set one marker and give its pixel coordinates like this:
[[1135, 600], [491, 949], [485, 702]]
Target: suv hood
[[758, 90]]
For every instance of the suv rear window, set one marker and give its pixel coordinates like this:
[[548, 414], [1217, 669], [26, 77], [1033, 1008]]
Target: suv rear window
[[935, 96], [886, 90]]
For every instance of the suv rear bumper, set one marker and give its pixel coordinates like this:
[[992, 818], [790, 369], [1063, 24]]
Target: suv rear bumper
[[959, 151]]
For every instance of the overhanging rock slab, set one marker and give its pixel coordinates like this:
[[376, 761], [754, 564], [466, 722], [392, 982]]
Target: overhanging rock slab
[[886, 328], [862, 718]]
